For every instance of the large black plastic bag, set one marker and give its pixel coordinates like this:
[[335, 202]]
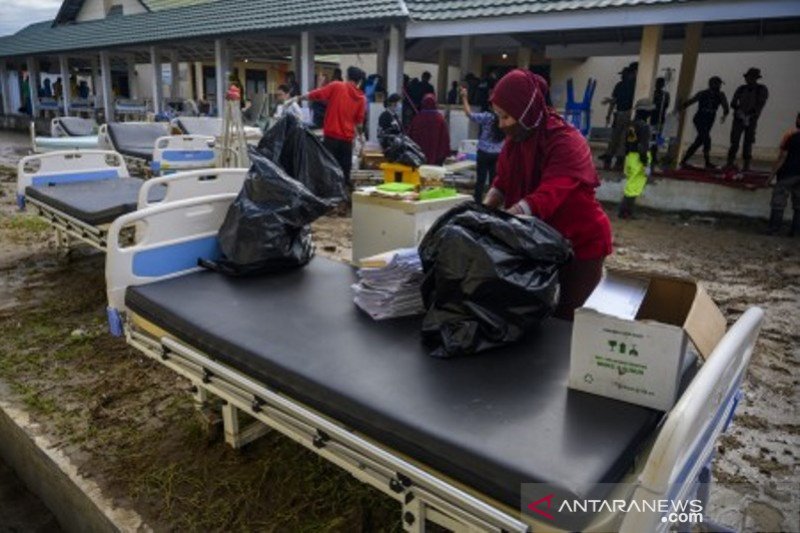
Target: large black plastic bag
[[489, 278], [301, 154], [401, 149], [266, 228]]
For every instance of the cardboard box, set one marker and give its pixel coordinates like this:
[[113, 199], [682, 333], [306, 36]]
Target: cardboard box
[[630, 339]]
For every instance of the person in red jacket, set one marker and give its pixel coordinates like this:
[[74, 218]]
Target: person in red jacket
[[344, 117], [545, 169], [429, 130]]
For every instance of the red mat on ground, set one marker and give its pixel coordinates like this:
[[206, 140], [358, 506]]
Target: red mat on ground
[[750, 180]]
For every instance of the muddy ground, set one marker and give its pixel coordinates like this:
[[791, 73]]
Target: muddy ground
[[131, 425]]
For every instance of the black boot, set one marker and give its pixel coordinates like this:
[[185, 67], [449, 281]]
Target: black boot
[[795, 230], [775, 221], [746, 166]]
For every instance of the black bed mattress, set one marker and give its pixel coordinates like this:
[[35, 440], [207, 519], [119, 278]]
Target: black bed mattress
[[77, 127], [137, 139], [491, 421], [94, 202]]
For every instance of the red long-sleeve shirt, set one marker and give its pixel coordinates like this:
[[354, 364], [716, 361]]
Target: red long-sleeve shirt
[[567, 204], [347, 108]]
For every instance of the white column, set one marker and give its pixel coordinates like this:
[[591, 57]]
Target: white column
[[158, 80], [441, 77], [95, 76], [108, 95], [691, 48], [63, 63], [396, 59], [199, 82], [4, 88], [175, 70], [33, 83], [220, 58], [306, 61], [649, 54], [465, 61], [133, 82], [380, 54]]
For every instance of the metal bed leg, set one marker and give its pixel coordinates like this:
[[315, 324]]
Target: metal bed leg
[[235, 436]]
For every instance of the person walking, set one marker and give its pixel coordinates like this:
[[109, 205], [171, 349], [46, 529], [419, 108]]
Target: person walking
[[708, 102], [748, 102], [620, 105], [786, 180]]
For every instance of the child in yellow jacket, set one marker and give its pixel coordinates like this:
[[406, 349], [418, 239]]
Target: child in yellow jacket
[[638, 158]]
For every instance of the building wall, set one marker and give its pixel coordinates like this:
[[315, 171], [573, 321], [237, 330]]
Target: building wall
[[779, 69], [97, 9]]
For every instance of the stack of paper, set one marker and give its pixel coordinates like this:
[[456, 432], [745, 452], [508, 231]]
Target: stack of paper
[[389, 284]]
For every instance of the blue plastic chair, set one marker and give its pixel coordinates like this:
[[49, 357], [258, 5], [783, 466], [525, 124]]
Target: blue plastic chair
[[579, 114]]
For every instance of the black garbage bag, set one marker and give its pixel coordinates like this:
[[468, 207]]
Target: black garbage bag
[[302, 155], [266, 228], [401, 149], [489, 278]]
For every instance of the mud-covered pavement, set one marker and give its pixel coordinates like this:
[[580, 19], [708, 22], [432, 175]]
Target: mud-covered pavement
[[130, 424]]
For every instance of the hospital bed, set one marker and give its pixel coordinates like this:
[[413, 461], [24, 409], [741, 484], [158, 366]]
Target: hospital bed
[[81, 192], [126, 107], [451, 440], [148, 147], [67, 134], [210, 126]]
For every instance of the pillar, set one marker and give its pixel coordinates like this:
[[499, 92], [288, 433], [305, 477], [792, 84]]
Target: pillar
[[4, 88], [649, 54], [33, 83], [133, 86], [158, 79], [395, 59], [306, 77], [441, 79], [466, 55], [63, 63], [105, 77], [691, 49], [221, 69], [175, 71], [199, 81], [524, 57]]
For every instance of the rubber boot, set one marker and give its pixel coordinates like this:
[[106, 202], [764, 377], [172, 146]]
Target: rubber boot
[[795, 230], [776, 221]]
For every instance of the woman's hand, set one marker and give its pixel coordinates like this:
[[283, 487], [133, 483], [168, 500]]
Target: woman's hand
[[463, 92], [515, 209]]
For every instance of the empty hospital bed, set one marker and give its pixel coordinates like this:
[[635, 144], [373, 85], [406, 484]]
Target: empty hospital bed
[[210, 126], [451, 440], [149, 147], [81, 192], [67, 133]]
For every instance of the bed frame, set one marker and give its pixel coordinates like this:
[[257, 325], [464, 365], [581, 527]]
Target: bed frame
[[674, 463], [87, 165]]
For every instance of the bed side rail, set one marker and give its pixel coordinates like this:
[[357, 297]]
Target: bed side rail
[[170, 238], [67, 166], [193, 183], [687, 439], [104, 138], [183, 152]]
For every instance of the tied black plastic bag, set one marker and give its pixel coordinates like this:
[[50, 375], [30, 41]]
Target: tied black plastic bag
[[266, 228], [401, 149], [489, 278], [301, 154]]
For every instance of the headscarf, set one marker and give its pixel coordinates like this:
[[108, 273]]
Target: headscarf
[[549, 147], [429, 130]]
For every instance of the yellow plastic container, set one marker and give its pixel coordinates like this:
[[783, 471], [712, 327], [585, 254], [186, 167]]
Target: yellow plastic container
[[395, 173]]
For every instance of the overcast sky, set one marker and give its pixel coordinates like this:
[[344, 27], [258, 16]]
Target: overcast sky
[[16, 14]]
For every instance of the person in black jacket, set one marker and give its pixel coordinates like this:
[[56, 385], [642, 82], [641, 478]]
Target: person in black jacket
[[748, 102], [708, 102]]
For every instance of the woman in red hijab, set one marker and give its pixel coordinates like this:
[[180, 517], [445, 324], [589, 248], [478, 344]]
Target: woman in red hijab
[[545, 169], [429, 130]]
